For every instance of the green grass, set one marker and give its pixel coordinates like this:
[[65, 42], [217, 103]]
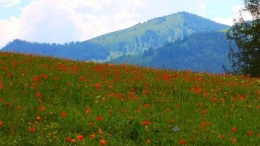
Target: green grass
[[122, 104]]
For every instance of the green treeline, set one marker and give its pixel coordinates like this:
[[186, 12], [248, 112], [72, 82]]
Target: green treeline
[[205, 51], [74, 50]]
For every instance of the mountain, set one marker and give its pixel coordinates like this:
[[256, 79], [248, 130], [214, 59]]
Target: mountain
[[131, 41], [203, 51], [155, 33], [74, 50]]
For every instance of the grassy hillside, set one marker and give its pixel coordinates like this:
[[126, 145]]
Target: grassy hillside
[[48, 101]]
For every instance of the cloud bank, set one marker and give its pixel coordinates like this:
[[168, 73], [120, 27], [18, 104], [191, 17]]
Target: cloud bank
[[61, 21], [231, 19]]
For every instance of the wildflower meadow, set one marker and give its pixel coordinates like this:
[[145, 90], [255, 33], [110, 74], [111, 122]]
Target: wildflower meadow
[[50, 101]]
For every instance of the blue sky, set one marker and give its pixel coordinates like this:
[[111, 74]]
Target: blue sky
[[60, 21]]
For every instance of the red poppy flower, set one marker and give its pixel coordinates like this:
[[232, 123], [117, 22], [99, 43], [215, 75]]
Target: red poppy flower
[[68, 139], [111, 111], [92, 136], [9, 75], [182, 142], [146, 106], [204, 112], [43, 108], [63, 114], [99, 118], [18, 107], [88, 111], [44, 76], [250, 133], [221, 136], [7, 103], [37, 78], [38, 95], [146, 122], [98, 86], [1, 123], [103, 142], [171, 121], [234, 129], [32, 130], [241, 97], [80, 137]]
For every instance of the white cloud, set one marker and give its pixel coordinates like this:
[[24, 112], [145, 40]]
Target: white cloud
[[203, 5], [47, 21], [137, 2], [60, 21], [227, 20], [230, 20], [9, 30], [9, 3], [121, 22], [92, 25], [92, 4]]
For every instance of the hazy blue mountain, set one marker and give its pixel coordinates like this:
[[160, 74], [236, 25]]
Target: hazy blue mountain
[[204, 51], [136, 40], [74, 50], [155, 33]]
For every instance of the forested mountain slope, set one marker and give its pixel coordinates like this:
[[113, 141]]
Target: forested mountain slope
[[205, 51], [155, 33]]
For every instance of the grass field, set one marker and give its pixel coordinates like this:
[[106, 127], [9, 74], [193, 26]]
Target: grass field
[[48, 101]]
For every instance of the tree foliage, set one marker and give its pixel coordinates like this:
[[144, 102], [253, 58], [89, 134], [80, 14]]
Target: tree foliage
[[245, 58]]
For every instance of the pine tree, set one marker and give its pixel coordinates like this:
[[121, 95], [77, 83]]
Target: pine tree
[[244, 37]]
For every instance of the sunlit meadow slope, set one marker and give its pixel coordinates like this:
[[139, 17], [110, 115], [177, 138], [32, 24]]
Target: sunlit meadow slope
[[48, 101]]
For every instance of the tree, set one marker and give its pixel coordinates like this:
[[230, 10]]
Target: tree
[[244, 37]]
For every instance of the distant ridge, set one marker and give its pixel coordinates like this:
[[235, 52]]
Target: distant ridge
[[201, 52], [155, 33], [135, 40]]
